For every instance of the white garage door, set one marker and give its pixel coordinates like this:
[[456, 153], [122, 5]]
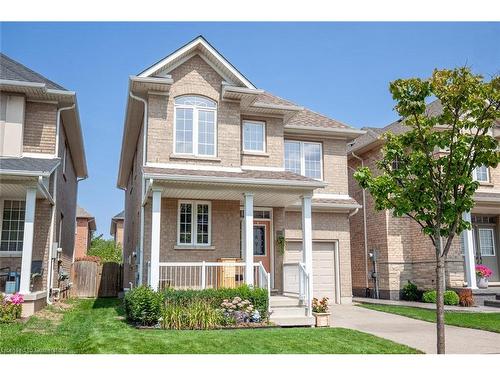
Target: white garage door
[[323, 268]]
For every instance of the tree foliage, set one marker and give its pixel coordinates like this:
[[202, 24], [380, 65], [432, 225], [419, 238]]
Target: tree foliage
[[106, 250]]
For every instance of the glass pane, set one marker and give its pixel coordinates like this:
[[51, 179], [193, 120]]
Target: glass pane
[[486, 244], [206, 133], [185, 223], [312, 160], [12, 226], [202, 227], [481, 173], [259, 240], [184, 130], [253, 136], [292, 157], [197, 101]]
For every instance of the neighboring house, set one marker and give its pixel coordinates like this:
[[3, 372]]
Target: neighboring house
[[403, 252], [85, 229], [41, 160], [116, 229], [216, 170]]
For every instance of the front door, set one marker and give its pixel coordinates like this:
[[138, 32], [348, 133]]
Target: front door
[[261, 243], [485, 248]]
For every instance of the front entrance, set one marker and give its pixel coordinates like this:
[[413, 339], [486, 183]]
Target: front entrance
[[485, 239], [262, 242]]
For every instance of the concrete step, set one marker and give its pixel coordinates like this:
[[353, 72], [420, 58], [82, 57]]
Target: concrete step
[[293, 321], [492, 303], [288, 311], [283, 301]]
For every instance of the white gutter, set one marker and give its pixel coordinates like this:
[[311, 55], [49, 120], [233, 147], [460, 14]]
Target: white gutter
[[58, 125], [44, 190], [354, 212], [344, 132], [13, 172], [144, 146], [167, 81], [364, 223]]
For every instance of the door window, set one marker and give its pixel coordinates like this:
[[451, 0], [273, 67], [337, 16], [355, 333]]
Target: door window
[[259, 240]]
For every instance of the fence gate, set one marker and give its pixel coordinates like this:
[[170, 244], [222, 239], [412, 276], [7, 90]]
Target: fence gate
[[91, 279]]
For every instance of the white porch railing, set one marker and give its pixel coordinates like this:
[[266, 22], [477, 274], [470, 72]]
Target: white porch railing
[[296, 282], [215, 275]]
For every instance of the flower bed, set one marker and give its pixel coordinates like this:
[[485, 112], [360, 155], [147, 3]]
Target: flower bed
[[10, 307], [241, 307]]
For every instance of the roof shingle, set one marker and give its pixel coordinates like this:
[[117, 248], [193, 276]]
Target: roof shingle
[[37, 165]]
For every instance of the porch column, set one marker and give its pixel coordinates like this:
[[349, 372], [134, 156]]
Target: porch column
[[470, 260], [307, 243], [155, 239], [29, 226], [248, 237]]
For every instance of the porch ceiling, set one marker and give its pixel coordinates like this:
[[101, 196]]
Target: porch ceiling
[[263, 196], [15, 188]]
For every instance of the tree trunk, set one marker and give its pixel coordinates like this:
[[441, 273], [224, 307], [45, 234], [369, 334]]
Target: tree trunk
[[440, 289]]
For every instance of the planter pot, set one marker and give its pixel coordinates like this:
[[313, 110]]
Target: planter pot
[[482, 282], [322, 319]]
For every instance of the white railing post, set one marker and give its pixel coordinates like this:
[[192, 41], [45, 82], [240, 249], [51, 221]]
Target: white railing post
[[203, 275]]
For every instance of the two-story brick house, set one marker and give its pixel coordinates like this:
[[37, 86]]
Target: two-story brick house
[[403, 252], [41, 160], [217, 171], [116, 228]]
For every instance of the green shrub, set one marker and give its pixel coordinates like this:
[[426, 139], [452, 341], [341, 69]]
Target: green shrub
[[410, 292], [9, 312], [215, 297], [143, 305], [197, 314], [429, 297], [451, 298], [105, 250]]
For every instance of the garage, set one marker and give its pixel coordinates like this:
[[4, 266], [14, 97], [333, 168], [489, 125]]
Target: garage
[[323, 269]]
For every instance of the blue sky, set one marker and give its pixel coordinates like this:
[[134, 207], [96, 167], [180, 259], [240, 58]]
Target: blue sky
[[339, 69]]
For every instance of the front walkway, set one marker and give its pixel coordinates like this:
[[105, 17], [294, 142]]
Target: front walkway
[[429, 306], [415, 333]]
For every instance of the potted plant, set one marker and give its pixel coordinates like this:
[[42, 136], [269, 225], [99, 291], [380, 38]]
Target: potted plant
[[320, 312], [483, 273]]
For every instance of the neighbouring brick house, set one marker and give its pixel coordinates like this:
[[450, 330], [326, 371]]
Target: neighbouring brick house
[[116, 229], [41, 160], [216, 170], [85, 229], [403, 252]]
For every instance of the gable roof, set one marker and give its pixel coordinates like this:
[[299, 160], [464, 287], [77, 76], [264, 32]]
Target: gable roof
[[203, 48], [119, 216], [14, 71], [83, 213]]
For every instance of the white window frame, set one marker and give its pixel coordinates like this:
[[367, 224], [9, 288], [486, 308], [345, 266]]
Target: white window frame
[[8, 253], [195, 126], [264, 135], [194, 227], [302, 158], [474, 174], [492, 231]]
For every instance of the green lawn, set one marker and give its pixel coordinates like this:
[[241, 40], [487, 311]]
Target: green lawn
[[97, 326], [483, 321]]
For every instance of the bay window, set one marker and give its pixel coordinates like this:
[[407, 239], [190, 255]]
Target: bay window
[[305, 158], [195, 126], [194, 223]]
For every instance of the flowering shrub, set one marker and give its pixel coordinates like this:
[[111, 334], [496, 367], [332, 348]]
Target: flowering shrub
[[239, 311], [10, 307], [320, 306], [483, 271]]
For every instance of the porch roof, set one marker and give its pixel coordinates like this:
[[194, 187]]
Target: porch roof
[[270, 188], [28, 166]]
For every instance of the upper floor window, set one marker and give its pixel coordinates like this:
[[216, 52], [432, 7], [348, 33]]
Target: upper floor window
[[305, 158], [481, 174], [195, 127], [254, 136]]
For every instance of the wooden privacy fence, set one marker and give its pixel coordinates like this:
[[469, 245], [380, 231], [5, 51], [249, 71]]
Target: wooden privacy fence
[[91, 279]]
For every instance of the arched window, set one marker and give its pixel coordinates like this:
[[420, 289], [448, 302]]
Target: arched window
[[195, 126]]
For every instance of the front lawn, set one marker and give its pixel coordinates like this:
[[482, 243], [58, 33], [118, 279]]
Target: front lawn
[[98, 326], [483, 321]]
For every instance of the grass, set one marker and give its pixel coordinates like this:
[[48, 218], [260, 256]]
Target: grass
[[98, 326], [482, 321]]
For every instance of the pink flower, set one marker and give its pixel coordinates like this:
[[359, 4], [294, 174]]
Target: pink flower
[[483, 271], [16, 299]]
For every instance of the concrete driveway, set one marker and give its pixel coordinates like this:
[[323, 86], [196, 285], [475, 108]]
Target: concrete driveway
[[415, 333]]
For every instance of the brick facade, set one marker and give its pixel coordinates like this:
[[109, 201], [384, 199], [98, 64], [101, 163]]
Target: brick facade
[[39, 132]]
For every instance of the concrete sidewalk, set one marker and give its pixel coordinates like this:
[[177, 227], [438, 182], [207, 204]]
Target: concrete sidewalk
[[414, 333], [428, 306]]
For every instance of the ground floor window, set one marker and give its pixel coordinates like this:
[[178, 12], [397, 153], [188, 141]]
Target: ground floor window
[[194, 223], [12, 225]]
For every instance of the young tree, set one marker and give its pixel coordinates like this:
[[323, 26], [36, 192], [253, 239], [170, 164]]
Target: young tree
[[432, 180], [107, 250]]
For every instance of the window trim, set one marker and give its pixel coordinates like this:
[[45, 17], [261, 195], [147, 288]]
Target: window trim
[[474, 174], [194, 228], [264, 136], [195, 109], [302, 158], [492, 230], [13, 254]]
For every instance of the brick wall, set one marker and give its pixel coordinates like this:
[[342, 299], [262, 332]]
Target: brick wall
[[39, 133], [82, 242]]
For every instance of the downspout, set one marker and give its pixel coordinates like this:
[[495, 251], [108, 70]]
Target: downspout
[[365, 233], [144, 145], [50, 265]]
